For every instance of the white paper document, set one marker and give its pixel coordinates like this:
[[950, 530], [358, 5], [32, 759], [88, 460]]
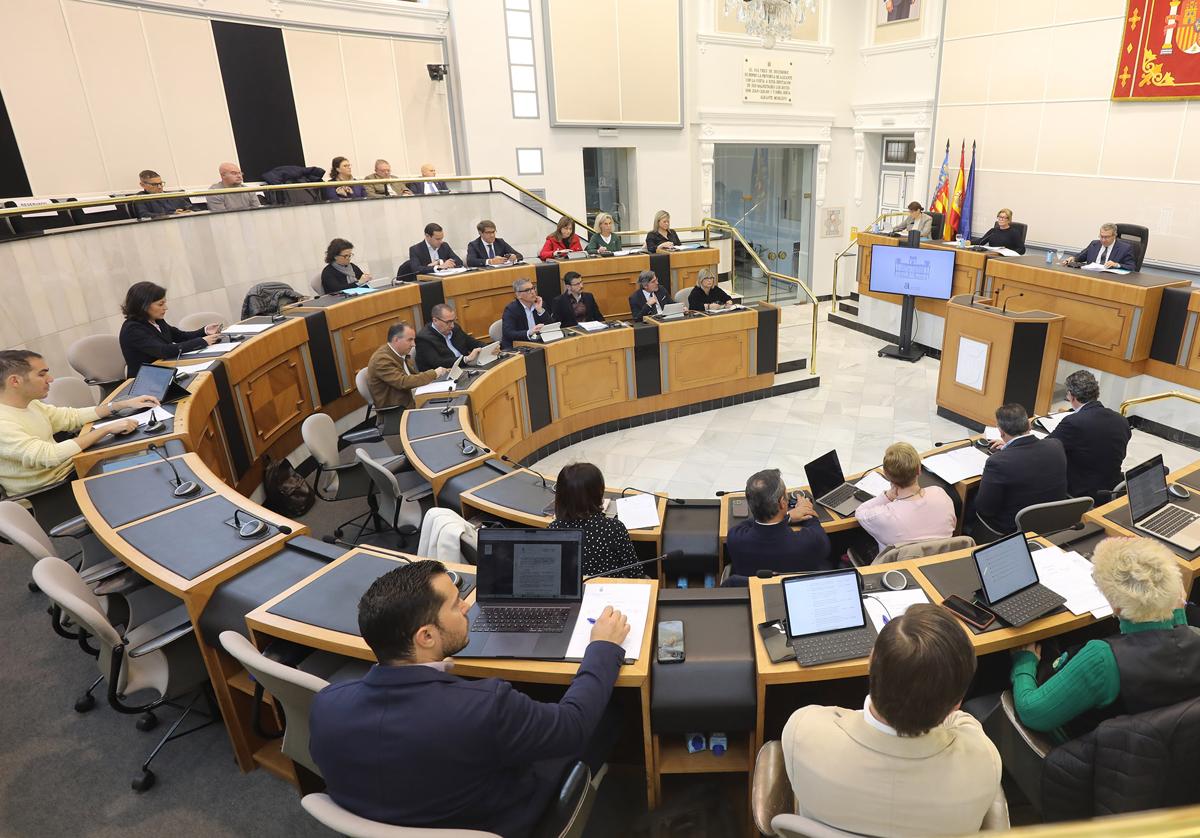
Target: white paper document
[[449, 271], [1096, 266], [959, 464], [246, 328], [886, 606], [192, 369], [214, 349], [874, 483], [1051, 421], [638, 511], [1069, 575], [1003, 251], [631, 599], [991, 433], [592, 325], [971, 370], [144, 418], [435, 387]]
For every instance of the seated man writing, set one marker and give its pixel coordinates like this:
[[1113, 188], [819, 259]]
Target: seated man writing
[[410, 744], [29, 456]]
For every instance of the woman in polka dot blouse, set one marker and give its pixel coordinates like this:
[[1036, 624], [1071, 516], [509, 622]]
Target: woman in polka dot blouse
[[578, 496]]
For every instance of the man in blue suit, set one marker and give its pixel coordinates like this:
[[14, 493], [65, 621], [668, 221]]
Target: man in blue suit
[[412, 745], [523, 317], [1108, 250], [1024, 471]]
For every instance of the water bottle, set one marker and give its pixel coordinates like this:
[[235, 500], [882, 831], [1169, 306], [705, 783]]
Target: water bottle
[[1049, 257]]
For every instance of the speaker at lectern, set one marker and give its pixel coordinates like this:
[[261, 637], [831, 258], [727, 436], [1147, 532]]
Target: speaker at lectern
[[992, 356]]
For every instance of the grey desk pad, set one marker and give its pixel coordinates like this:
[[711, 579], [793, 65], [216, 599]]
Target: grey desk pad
[[193, 540], [521, 491], [431, 422], [129, 495], [1142, 280], [1121, 516], [1192, 481], [442, 452], [331, 601]]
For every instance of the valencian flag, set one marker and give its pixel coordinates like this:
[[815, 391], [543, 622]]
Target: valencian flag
[[968, 201], [941, 195], [956, 198], [1159, 56]]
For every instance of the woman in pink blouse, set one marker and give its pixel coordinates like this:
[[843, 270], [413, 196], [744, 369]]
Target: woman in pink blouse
[[907, 511]]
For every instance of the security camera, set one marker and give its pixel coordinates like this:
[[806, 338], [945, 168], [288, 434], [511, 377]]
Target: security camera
[[437, 72]]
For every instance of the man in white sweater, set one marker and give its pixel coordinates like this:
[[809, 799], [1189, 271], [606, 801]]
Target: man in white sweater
[[909, 763], [29, 456]]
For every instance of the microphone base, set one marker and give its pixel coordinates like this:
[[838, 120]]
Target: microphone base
[[252, 529], [185, 489]]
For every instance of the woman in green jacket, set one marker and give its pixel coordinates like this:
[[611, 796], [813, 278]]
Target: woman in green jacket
[[604, 240]]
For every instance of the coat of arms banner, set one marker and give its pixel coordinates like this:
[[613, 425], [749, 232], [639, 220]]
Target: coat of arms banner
[[1160, 51]]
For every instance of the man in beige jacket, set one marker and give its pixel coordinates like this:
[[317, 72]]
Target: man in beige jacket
[[909, 763], [392, 375]]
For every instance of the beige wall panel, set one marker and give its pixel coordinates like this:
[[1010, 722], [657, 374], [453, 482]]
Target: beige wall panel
[[893, 33], [965, 122], [1071, 138], [1009, 134], [118, 78], [1019, 63], [191, 95], [1069, 10], [586, 61], [319, 88], [1084, 60], [650, 67], [58, 144], [374, 104], [973, 18], [1019, 14], [424, 106], [1188, 167], [1142, 138], [966, 68]]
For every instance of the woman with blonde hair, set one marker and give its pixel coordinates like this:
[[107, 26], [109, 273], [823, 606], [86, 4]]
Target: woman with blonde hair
[[907, 511], [1003, 234], [604, 240], [1154, 660], [661, 236], [707, 295]]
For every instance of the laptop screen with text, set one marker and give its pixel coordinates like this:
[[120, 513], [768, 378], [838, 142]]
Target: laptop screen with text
[[821, 602], [1146, 486], [1005, 567], [532, 564]]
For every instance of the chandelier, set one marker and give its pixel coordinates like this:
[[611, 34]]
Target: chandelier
[[771, 20]]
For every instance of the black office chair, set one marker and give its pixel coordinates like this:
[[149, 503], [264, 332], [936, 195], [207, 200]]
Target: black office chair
[[935, 230], [1137, 236], [100, 214], [1022, 228]]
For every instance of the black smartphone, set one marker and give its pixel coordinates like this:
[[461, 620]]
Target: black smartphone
[[775, 640], [670, 641], [969, 612]]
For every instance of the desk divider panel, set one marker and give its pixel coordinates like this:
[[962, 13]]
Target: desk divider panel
[[548, 281], [432, 293], [231, 422], [768, 339], [1172, 322], [660, 263], [537, 388], [141, 492], [320, 351], [647, 364]]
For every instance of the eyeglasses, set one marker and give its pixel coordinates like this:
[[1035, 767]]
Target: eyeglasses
[[451, 321], [349, 255], [524, 290], [152, 183]]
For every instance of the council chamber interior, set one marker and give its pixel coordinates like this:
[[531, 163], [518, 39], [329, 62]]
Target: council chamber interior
[[800, 398]]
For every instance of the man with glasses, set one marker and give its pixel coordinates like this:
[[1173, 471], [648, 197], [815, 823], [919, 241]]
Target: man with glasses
[[1107, 251], [152, 184], [649, 299], [575, 304], [489, 250], [523, 317], [443, 341]]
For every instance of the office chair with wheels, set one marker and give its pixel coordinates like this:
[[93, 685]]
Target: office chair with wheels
[[1139, 237], [99, 360], [200, 319], [681, 296], [496, 331], [52, 504], [160, 655], [343, 822], [399, 495], [70, 391], [1054, 515], [919, 549], [387, 419]]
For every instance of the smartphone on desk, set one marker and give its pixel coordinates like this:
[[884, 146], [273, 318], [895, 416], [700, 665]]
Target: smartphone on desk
[[775, 641], [670, 641], [969, 612]]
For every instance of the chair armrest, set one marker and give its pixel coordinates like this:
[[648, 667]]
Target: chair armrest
[[71, 528], [158, 632], [1037, 742], [567, 805], [365, 435], [100, 572], [388, 419], [771, 792], [997, 814], [52, 504], [33, 494]]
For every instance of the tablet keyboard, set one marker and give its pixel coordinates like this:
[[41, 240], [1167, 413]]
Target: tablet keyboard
[[529, 620], [835, 646], [1027, 605]]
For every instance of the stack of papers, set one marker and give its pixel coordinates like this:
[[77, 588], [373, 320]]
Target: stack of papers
[[214, 349], [592, 325], [1003, 251], [246, 328], [959, 464], [449, 271], [638, 511], [1069, 575], [888, 605], [434, 387], [144, 418], [631, 599], [551, 335], [873, 483], [1051, 422], [1096, 266], [625, 251]]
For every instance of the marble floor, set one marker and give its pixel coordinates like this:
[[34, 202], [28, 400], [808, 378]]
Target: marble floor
[[863, 404]]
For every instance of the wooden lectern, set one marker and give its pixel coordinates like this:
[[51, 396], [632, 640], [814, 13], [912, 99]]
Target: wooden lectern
[[992, 357]]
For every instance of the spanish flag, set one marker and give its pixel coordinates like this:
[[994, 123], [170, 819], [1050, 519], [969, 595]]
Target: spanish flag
[[954, 216]]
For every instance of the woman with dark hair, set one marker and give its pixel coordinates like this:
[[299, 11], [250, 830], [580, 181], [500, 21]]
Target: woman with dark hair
[[562, 240], [339, 169], [340, 273], [578, 499], [147, 337]]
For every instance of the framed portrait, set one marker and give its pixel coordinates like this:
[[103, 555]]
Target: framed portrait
[[895, 11]]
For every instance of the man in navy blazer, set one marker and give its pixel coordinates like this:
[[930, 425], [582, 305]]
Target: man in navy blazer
[[523, 317], [1108, 250], [489, 250], [1026, 470], [648, 299], [567, 305], [430, 254], [426, 187], [1095, 438], [412, 745], [766, 540]]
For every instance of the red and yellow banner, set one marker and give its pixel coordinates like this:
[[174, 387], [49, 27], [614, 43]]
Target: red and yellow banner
[[1160, 51]]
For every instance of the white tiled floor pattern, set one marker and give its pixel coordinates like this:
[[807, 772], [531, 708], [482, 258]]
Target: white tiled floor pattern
[[863, 404]]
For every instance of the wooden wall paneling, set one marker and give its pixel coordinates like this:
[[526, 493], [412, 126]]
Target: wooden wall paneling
[[686, 266], [275, 398], [497, 410]]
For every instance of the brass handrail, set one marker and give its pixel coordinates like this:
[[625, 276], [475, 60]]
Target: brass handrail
[[1155, 397]]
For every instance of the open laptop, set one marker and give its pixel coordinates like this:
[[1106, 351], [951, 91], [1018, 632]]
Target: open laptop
[[1010, 582], [825, 617], [488, 354], [529, 586], [672, 311], [1151, 511], [157, 381], [829, 486]]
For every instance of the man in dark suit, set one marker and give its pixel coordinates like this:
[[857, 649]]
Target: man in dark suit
[[1107, 250], [1095, 438], [431, 254], [425, 187], [489, 250], [1026, 470], [523, 317], [897, 9], [412, 745], [443, 341], [766, 540], [575, 304], [648, 299]]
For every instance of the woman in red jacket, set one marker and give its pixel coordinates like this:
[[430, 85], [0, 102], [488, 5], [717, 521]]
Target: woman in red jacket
[[562, 240]]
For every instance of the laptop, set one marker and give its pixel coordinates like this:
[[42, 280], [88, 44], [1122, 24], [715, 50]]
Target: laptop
[[826, 621], [1010, 582], [528, 589], [672, 311], [1151, 511], [829, 486], [551, 332], [157, 381]]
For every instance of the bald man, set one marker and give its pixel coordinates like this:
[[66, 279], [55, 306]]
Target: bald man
[[428, 187], [231, 178]]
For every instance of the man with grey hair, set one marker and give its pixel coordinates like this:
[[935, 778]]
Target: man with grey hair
[[231, 178], [524, 317], [766, 540], [1095, 438], [443, 341], [1108, 251], [383, 171], [1026, 470], [648, 299]]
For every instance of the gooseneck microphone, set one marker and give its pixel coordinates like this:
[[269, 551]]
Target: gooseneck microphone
[[674, 555], [1004, 310], [677, 501], [183, 488], [250, 528], [513, 462]]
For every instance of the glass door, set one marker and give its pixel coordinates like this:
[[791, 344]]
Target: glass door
[[606, 185], [766, 193]]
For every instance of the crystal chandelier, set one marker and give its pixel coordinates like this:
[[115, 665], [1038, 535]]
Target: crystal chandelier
[[771, 20]]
